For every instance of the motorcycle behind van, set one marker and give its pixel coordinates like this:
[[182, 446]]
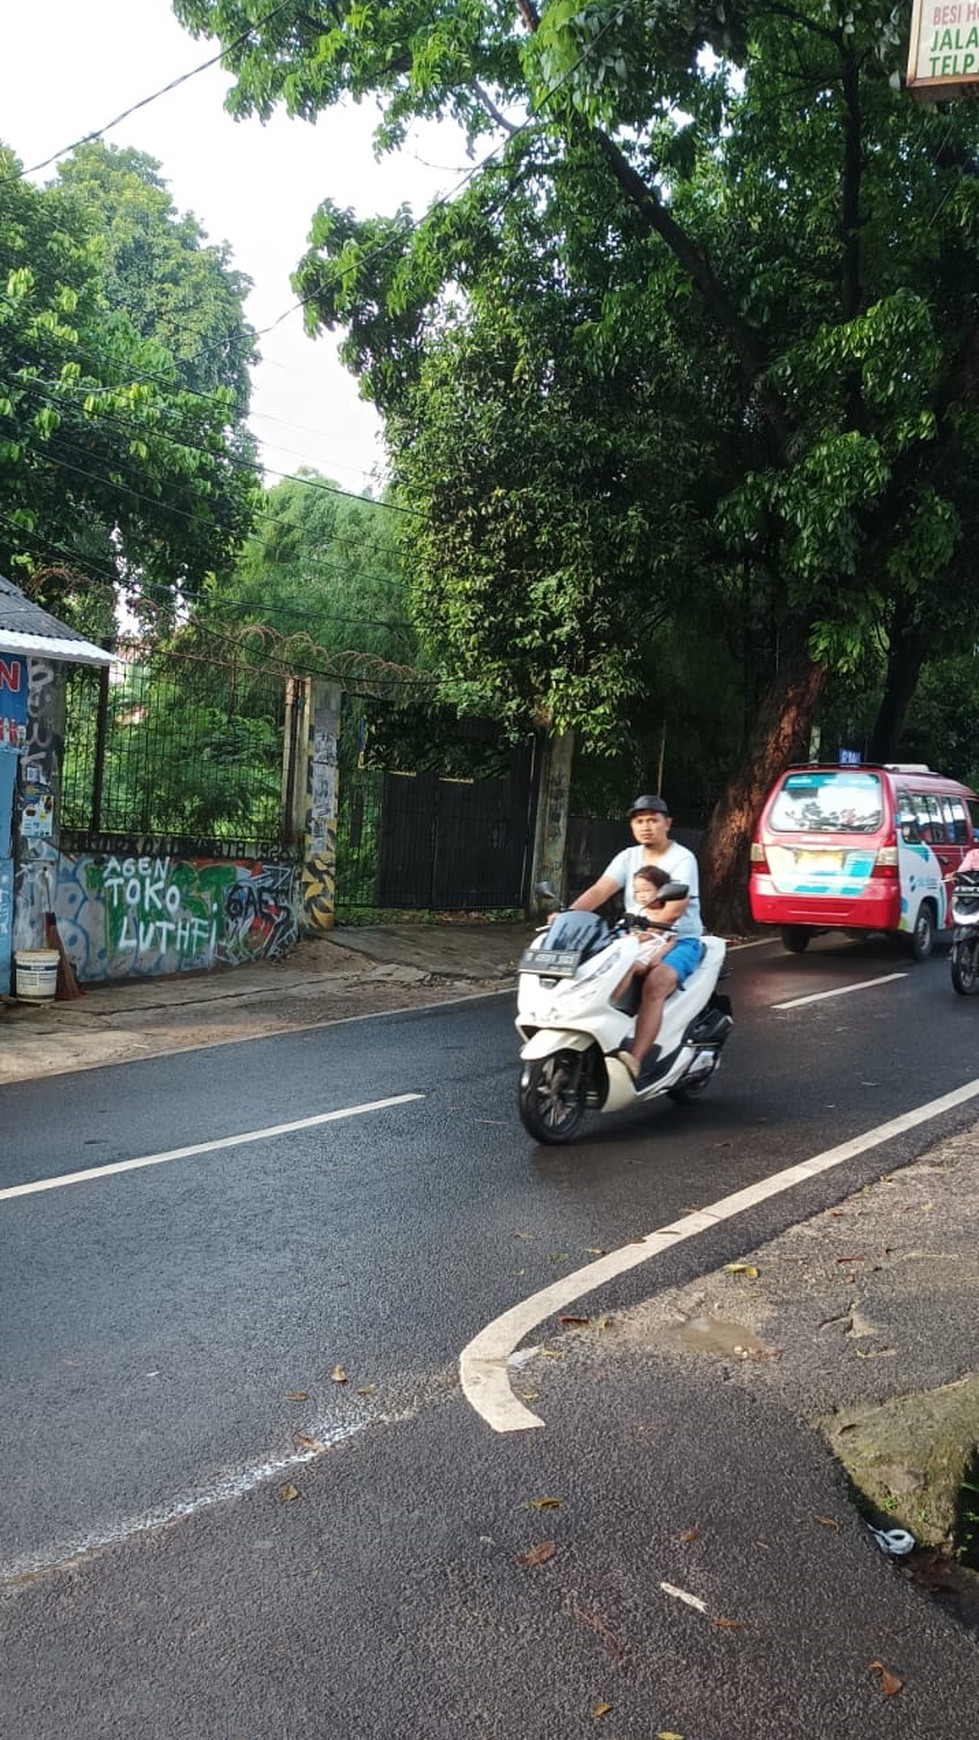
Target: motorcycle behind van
[[964, 956]]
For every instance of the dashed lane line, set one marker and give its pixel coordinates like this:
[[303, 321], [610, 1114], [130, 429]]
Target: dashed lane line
[[114, 1167], [839, 991]]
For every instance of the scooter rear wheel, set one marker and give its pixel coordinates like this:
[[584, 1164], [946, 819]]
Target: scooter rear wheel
[[549, 1097], [965, 967]]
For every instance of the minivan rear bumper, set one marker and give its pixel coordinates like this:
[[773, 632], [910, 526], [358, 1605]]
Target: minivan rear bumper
[[873, 910]]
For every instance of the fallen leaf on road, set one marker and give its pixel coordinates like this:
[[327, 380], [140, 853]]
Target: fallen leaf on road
[[668, 1734], [560, 1257], [367, 1390], [543, 1504], [567, 1319], [741, 1269], [682, 1595], [538, 1555], [305, 1442], [594, 1251], [690, 1535], [298, 1396], [601, 1709], [828, 1522], [728, 1624], [550, 1353], [890, 1683], [530, 1237], [338, 1375], [598, 1625], [288, 1492], [851, 1259], [607, 1323]]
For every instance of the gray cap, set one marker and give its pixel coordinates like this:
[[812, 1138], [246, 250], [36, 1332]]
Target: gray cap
[[657, 804]]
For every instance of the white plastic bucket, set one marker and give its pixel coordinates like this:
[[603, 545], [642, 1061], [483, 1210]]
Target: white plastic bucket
[[36, 974]]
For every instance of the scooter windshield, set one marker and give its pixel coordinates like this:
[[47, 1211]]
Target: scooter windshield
[[584, 932]]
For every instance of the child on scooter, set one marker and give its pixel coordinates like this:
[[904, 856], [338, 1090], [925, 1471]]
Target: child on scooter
[[679, 955]]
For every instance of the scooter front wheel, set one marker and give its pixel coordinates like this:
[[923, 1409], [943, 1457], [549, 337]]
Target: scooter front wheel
[[965, 966], [549, 1098]]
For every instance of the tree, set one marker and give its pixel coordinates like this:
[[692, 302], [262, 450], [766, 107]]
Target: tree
[[111, 470], [159, 270], [323, 569], [784, 224]]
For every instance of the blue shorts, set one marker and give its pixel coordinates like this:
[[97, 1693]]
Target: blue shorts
[[685, 955]]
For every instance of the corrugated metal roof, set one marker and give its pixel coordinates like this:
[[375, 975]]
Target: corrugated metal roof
[[27, 629]]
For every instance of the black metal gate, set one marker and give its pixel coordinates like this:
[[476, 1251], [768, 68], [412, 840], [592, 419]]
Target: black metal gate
[[457, 845]]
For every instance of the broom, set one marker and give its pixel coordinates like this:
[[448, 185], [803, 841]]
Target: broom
[[67, 987]]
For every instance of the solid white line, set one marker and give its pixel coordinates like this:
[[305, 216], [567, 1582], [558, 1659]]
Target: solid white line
[[117, 1166], [483, 1367], [840, 991]]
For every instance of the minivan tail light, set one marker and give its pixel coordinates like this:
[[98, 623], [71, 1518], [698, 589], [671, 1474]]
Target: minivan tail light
[[758, 853], [885, 863]]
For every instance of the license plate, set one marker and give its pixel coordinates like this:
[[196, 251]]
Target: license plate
[[556, 963], [819, 861]]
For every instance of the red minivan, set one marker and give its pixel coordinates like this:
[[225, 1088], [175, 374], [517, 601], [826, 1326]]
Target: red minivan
[[860, 848]]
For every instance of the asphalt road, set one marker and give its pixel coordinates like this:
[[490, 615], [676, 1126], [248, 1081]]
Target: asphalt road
[[170, 1334]]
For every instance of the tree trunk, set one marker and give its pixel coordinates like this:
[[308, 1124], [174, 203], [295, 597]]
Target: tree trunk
[[908, 645], [780, 736]]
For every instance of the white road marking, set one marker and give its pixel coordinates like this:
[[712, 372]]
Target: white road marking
[[117, 1166], [483, 1363], [840, 991], [234, 1484]]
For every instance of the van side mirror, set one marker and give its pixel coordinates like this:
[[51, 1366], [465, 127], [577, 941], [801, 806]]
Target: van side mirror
[[546, 895], [910, 833]]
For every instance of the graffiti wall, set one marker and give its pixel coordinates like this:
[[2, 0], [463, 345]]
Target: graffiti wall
[[128, 917], [40, 749]]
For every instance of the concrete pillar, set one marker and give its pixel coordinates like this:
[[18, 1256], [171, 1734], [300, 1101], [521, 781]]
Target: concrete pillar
[[552, 815], [319, 763], [38, 804]]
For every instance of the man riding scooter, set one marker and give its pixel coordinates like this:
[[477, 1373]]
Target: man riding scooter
[[650, 820]]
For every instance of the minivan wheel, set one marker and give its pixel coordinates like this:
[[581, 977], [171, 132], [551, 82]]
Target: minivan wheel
[[795, 938], [922, 939]]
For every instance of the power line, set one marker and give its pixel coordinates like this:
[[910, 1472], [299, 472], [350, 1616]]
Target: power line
[[144, 102], [400, 235], [56, 396], [409, 678]]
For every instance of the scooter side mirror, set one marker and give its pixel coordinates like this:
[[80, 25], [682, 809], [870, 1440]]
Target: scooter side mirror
[[673, 891], [546, 895]]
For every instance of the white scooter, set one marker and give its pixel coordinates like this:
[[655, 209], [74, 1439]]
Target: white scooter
[[572, 1029], [964, 957]]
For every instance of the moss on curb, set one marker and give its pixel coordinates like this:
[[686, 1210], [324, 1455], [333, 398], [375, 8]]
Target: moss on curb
[[909, 1457]]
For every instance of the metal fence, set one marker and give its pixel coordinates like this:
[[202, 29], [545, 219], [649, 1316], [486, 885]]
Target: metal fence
[[176, 748], [429, 841]]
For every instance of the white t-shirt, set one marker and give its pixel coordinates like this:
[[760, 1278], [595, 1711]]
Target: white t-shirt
[[680, 864]]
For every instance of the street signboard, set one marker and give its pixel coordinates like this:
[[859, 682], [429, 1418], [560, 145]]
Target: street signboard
[[943, 58]]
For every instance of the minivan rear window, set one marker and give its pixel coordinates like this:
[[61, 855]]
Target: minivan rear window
[[847, 802]]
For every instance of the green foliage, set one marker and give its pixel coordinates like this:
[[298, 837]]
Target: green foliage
[[324, 571], [701, 334], [112, 463], [192, 748]]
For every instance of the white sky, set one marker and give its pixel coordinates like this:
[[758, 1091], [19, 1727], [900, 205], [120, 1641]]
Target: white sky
[[68, 67]]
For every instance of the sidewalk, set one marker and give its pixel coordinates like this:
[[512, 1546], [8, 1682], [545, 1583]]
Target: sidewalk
[[356, 972]]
